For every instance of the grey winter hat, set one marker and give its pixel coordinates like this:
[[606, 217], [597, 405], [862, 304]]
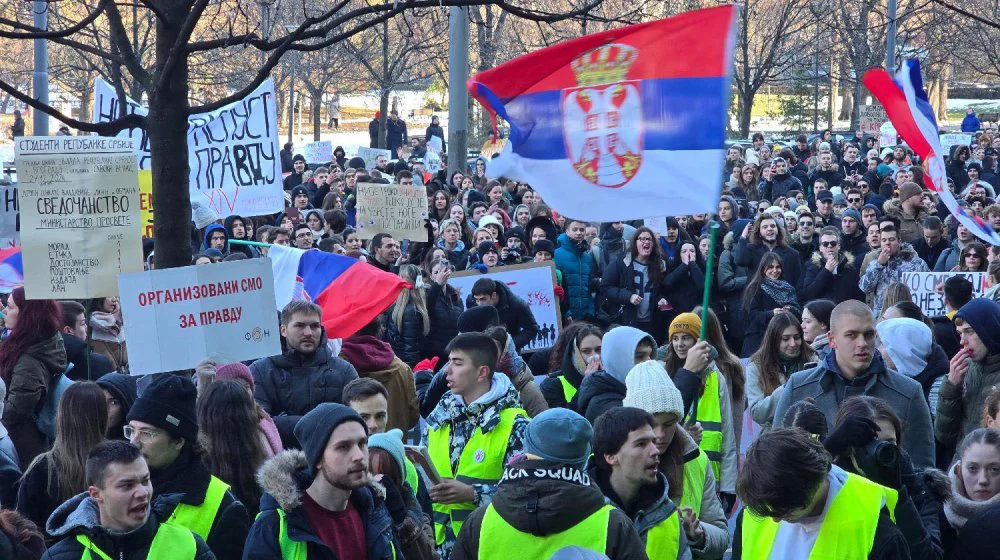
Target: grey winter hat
[[313, 430], [853, 214], [561, 436]]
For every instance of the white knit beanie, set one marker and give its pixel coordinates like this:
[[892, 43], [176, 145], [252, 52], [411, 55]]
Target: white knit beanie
[[649, 387]]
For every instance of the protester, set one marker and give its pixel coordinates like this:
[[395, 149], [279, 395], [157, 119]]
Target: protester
[[894, 259], [831, 274], [767, 295], [408, 320], [119, 393], [816, 326], [444, 306], [635, 282], [74, 334], [267, 431], [581, 356], [514, 312], [388, 463], [573, 259], [975, 483], [782, 353], [907, 346], [621, 348], [58, 474], [117, 514], [31, 362]]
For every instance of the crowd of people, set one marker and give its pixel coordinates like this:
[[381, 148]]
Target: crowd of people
[[812, 404]]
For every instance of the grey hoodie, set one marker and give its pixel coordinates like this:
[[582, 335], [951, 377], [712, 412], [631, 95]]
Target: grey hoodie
[[605, 389]]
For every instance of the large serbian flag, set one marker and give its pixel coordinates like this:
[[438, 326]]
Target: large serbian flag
[[619, 125], [906, 104], [351, 292]]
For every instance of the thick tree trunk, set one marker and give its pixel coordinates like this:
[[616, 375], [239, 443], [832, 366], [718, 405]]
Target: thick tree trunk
[[167, 130], [847, 107], [383, 106], [744, 110]]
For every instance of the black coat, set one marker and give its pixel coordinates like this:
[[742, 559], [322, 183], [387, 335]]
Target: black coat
[[84, 369], [757, 317], [444, 306], [820, 283], [436, 130], [684, 285], [515, 314], [406, 341], [373, 134], [598, 393], [552, 388], [620, 283], [395, 135], [34, 501], [976, 540], [750, 255]]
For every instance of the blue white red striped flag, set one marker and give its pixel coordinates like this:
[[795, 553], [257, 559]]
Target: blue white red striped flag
[[619, 125], [909, 110]]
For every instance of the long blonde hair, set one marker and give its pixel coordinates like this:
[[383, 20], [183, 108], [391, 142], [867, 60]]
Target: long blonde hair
[[409, 272]]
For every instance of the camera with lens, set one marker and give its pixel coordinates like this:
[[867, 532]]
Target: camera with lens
[[878, 461]]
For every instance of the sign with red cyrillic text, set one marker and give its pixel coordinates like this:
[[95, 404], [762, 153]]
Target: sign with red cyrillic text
[[176, 317]]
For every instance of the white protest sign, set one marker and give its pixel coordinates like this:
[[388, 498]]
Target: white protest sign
[[394, 209], [233, 152], [434, 144], [872, 118], [79, 201], [318, 152], [176, 317], [534, 283], [10, 217], [372, 154], [658, 225], [953, 139], [887, 137], [923, 287], [432, 161]]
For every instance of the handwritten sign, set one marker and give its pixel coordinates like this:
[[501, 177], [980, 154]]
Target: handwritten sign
[[923, 287], [176, 317], [658, 225], [872, 118], [370, 155], [393, 209], [953, 139], [233, 152], [432, 161], [79, 200], [318, 152], [887, 136], [146, 203], [10, 217], [534, 283], [435, 144]]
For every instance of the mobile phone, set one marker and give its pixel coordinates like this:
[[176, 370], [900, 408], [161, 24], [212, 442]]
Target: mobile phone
[[405, 247]]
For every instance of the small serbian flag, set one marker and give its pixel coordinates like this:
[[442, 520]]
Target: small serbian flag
[[11, 270], [906, 104], [351, 292], [619, 125]]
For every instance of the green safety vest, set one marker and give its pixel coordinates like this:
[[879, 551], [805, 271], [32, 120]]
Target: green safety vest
[[410, 476], [695, 472], [663, 540], [848, 530], [171, 542], [199, 519], [498, 540], [569, 391], [481, 462], [709, 413], [297, 550]]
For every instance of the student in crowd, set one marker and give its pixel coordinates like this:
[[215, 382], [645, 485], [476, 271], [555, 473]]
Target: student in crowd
[[816, 326], [783, 353], [267, 431], [621, 348], [767, 295], [74, 334], [120, 393], [414, 528], [408, 320], [581, 356]]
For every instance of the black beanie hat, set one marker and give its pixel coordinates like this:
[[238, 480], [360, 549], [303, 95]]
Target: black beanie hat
[[356, 163], [120, 385], [299, 190], [544, 245], [299, 157], [313, 430], [478, 319], [168, 403]]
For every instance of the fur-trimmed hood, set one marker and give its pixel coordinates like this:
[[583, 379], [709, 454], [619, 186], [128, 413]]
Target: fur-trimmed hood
[[936, 483], [283, 478], [846, 258]]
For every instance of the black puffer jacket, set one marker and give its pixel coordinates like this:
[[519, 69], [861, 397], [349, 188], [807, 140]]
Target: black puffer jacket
[[779, 185], [619, 285], [819, 283], [406, 341], [444, 306], [598, 393], [292, 384]]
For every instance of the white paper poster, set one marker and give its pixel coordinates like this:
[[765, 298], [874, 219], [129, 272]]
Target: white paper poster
[[10, 217], [532, 282], [372, 154], [79, 202], [233, 152], [176, 317], [318, 152], [953, 139], [924, 288]]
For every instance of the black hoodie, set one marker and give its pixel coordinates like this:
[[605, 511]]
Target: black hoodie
[[84, 369], [544, 498], [123, 387]]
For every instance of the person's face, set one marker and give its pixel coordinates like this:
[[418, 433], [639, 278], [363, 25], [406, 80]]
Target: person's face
[[490, 258], [440, 201], [537, 235], [763, 153], [406, 181], [874, 236], [682, 342], [638, 458], [457, 178], [590, 346], [303, 332], [995, 221], [829, 246], [351, 180], [849, 225], [672, 234], [773, 271], [886, 431], [482, 235], [380, 161], [203, 260], [790, 223], [281, 239], [239, 230], [769, 230], [644, 244], [494, 229], [856, 200], [457, 213], [79, 327], [826, 159], [522, 216], [576, 231], [811, 328], [688, 251], [854, 340], [980, 470], [480, 166], [353, 242], [780, 167], [725, 211], [314, 222], [838, 209], [374, 410], [389, 251], [643, 353], [851, 155], [321, 178], [467, 183], [682, 221], [304, 239], [825, 206], [868, 217], [451, 234], [528, 198], [790, 343], [758, 142], [155, 444], [334, 174], [344, 463], [124, 496], [898, 154], [972, 260], [664, 429], [747, 173], [932, 236], [703, 248], [962, 233], [801, 144], [463, 377], [217, 240], [543, 256], [115, 411], [806, 225], [301, 201], [299, 166], [890, 240], [969, 339], [477, 213], [733, 154]]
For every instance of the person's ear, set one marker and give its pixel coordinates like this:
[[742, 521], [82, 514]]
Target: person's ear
[[612, 459], [485, 373], [95, 494]]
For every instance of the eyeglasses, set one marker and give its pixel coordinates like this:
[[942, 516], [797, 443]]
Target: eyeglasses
[[829, 244], [645, 240], [805, 223], [855, 199], [144, 436]]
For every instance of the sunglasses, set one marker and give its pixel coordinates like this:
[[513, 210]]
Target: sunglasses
[[829, 244], [972, 256], [855, 199], [805, 223]]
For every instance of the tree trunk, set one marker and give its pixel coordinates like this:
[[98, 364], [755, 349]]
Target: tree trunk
[[945, 76], [317, 104], [831, 104], [86, 100], [744, 110], [847, 107], [167, 130], [383, 106]]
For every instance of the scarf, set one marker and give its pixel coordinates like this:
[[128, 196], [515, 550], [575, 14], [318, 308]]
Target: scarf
[[780, 291], [960, 508], [106, 327]]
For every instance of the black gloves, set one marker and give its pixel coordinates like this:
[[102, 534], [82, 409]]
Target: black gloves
[[854, 431], [394, 501]]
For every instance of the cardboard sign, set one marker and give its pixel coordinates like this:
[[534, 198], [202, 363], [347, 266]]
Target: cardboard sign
[[534, 283], [318, 152], [394, 209], [10, 217], [146, 203], [953, 139], [233, 152], [887, 136], [872, 119], [371, 154], [923, 286], [79, 197], [176, 317]]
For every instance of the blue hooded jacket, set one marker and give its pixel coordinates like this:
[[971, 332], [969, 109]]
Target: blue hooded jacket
[[971, 122], [208, 233]]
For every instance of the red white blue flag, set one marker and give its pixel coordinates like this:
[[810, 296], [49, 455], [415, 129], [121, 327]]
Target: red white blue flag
[[909, 110], [619, 125]]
